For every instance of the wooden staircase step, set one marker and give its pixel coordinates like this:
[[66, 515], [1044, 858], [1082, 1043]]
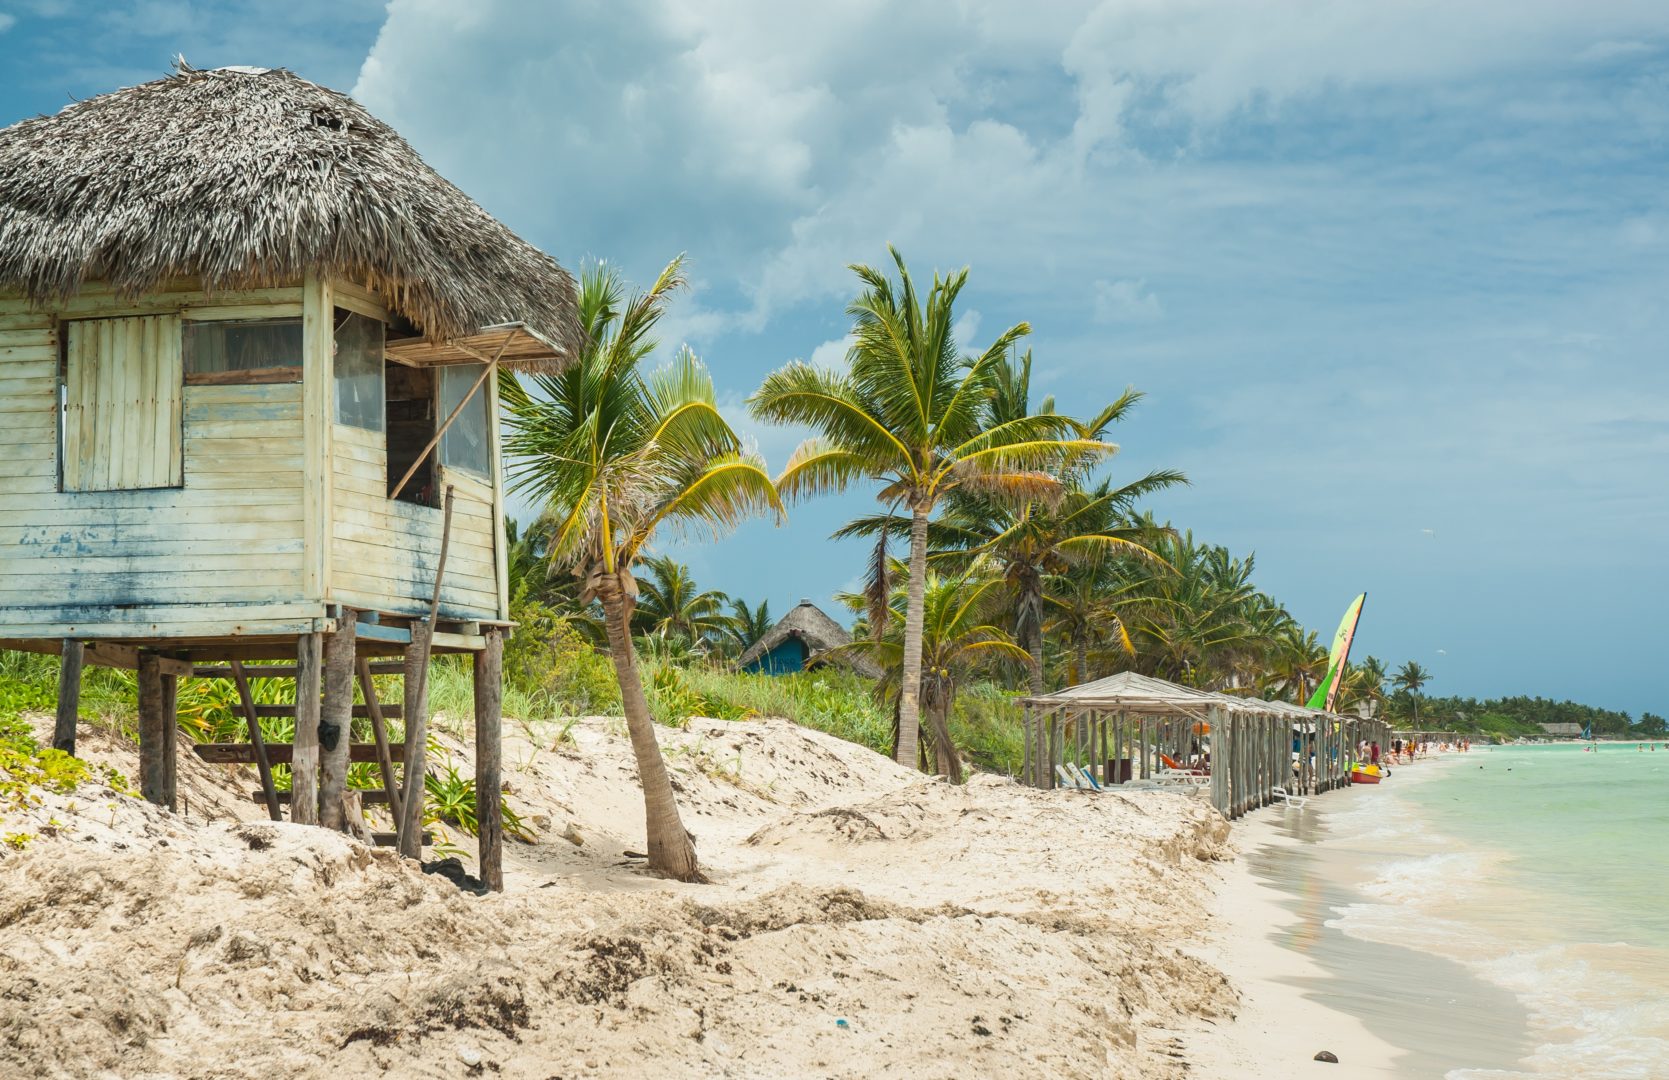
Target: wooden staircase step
[[388, 839], [368, 796], [389, 712], [283, 671], [284, 753]]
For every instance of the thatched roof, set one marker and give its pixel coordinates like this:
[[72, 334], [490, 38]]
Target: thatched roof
[[1145, 694], [812, 626], [249, 178]]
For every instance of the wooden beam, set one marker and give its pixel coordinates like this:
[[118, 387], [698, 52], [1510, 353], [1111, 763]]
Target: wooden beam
[[284, 671], [336, 721], [245, 377], [69, 696], [282, 753], [397, 635], [489, 784], [369, 796], [379, 732], [304, 764], [98, 654], [257, 742]]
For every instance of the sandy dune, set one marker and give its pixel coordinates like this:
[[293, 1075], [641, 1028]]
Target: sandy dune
[[862, 921]]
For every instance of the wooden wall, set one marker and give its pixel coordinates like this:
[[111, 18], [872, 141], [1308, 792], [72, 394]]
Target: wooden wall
[[384, 551], [276, 517], [220, 555]]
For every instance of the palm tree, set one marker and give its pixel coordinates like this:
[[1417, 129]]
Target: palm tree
[[747, 625], [1298, 662], [613, 454], [1364, 683], [669, 602], [956, 640], [1411, 678], [911, 412]]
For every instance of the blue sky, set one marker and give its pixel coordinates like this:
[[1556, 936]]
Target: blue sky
[[1392, 275]]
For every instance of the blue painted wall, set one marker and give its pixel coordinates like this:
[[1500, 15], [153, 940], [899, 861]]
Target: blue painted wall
[[788, 657]]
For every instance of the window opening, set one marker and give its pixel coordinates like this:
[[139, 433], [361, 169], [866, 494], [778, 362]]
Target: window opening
[[254, 351], [467, 443], [360, 396], [411, 424]]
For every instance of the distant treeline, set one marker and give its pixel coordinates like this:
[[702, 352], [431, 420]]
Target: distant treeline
[[1525, 715]]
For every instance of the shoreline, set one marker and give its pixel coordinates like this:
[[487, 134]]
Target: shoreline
[[1306, 985]]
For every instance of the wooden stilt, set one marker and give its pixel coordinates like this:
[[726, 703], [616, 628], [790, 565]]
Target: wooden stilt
[[304, 766], [151, 784], [379, 732], [170, 740], [69, 696], [336, 721], [489, 698], [416, 711], [269, 792]]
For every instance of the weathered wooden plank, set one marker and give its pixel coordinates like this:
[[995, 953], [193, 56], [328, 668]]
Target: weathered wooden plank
[[150, 538], [252, 394], [359, 712], [89, 621], [70, 513], [275, 671], [359, 299], [40, 337], [140, 561], [32, 383], [241, 429], [169, 499], [264, 309], [281, 754], [199, 414], [288, 479], [368, 796]]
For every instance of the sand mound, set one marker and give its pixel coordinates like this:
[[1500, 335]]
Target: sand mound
[[864, 921]]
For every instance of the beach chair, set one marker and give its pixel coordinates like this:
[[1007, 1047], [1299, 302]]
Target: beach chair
[[1288, 799], [1069, 778]]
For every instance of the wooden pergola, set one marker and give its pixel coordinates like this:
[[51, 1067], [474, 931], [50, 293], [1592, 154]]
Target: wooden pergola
[[1124, 727]]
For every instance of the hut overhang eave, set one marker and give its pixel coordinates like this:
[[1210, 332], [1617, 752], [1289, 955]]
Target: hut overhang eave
[[514, 344]]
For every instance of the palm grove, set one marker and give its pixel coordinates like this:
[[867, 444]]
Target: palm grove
[[999, 554]]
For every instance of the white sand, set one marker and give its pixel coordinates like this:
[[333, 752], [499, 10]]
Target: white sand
[[1278, 1030], [977, 931]]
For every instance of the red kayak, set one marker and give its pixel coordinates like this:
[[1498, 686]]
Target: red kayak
[[1364, 777]]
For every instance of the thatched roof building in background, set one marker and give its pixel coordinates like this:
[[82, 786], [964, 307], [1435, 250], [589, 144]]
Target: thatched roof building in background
[[814, 633], [250, 178]]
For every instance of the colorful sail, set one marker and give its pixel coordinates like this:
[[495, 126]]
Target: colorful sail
[[1327, 691]]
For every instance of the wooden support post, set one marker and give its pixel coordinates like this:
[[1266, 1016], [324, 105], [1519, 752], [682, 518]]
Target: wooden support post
[[150, 730], [336, 721], [416, 713], [269, 792], [304, 766], [1026, 745], [489, 701], [69, 696], [170, 739], [379, 732]]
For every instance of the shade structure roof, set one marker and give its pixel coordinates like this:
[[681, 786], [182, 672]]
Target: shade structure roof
[[1134, 692], [252, 178]]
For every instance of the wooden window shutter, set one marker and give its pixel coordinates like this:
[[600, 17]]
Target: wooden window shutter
[[123, 398]]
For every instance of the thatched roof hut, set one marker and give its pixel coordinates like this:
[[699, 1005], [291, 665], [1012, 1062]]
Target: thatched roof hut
[[802, 639], [249, 178]]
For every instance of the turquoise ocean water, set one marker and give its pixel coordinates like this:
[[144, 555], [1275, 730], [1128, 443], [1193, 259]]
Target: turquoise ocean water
[[1544, 870]]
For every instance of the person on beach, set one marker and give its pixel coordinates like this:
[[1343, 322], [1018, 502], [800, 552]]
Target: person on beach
[[1373, 751]]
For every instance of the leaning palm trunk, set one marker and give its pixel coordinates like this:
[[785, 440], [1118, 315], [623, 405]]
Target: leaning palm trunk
[[670, 850], [944, 750], [909, 690]]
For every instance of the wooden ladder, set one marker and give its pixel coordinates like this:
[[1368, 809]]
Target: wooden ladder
[[264, 755]]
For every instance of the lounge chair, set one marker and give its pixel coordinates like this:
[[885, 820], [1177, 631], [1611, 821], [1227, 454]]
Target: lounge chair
[[1287, 798]]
